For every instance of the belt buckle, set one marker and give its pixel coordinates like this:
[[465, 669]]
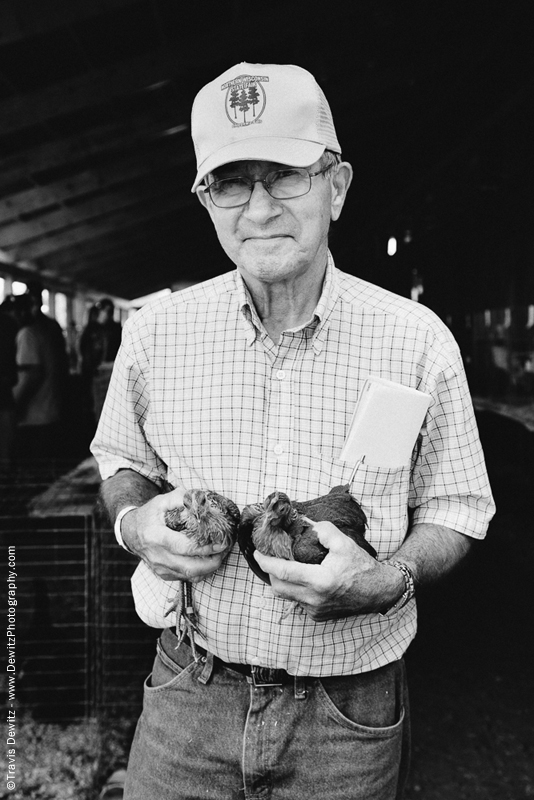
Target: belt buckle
[[263, 677]]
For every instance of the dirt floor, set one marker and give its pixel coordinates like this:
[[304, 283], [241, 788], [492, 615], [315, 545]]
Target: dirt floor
[[470, 668]]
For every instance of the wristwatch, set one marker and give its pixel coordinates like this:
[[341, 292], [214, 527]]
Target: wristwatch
[[409, 587], [117, 525]]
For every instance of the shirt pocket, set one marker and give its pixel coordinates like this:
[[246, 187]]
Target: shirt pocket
[[383, 494]]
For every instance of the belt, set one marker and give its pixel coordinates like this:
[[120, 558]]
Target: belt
[[258, 676]]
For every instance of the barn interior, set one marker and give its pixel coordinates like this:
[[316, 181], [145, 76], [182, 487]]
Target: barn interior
[[432, 104]]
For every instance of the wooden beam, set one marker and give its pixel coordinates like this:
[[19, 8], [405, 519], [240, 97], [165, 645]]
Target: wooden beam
[[91, 251], [90, 89], [150, 243], [94, 180], [128, 77], [111, 222], [105, 138], [23, 19], [104, 256], [106, 85], [17, 233], [122, 240]]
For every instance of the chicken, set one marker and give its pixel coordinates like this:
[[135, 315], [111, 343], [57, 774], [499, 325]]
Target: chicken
[[277, 527], [207, 518]]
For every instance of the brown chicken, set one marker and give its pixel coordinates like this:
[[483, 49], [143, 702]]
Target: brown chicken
[[281, 528], [207, 518]]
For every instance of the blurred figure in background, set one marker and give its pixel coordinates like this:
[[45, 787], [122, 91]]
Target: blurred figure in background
[[35, 290], [42, 378], [8, 377], [110, 331], [90, 353], [90, 345], [99, 344]]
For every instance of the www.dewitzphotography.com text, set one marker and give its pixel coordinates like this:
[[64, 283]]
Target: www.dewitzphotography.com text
[[11, 669]]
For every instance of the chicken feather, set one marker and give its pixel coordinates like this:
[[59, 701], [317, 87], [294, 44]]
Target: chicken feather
[[282, 528]]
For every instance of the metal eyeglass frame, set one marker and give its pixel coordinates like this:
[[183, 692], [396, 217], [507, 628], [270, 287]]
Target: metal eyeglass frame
[[267, 184]]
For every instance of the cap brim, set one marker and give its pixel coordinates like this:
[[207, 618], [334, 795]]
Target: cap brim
[[295, 152]]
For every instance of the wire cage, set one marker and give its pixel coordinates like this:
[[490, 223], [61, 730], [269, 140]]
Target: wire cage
[[81, 650]]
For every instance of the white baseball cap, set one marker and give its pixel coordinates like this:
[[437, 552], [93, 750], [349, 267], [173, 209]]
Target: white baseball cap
[[261, 112]]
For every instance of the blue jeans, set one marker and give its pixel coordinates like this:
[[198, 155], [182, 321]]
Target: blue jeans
[[207, 732]]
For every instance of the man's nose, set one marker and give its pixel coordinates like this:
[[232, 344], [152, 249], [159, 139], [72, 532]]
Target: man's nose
[[261, 205]]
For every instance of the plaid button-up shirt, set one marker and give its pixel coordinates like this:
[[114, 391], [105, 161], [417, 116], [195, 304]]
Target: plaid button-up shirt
[[201, 397]]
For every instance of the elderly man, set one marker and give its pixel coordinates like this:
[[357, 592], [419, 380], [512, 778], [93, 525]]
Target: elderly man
[[246, 384]]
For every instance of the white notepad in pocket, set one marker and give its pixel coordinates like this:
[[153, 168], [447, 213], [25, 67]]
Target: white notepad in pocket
[[385, 424]]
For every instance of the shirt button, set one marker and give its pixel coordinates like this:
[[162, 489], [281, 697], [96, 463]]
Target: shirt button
[[279, 449], [281, 374]]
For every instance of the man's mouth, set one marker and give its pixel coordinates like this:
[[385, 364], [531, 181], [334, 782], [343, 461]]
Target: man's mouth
[[267, 238]]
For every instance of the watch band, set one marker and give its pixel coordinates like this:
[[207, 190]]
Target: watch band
[[117, 525], [409, 587]]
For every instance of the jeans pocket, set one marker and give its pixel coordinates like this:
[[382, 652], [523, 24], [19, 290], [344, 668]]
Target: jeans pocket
[[369, 702], [166, 673]]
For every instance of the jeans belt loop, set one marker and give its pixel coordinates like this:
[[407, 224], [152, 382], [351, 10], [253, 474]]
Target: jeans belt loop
[[208, 661], [300, 688], [263, 677]]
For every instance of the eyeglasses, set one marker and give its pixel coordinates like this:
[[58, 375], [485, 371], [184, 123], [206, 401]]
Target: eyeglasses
[[281, 184]]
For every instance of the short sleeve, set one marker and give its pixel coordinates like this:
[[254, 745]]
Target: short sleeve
[[449, 483], [120, 441]]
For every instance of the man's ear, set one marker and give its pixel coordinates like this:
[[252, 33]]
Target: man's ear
[[341, 180]]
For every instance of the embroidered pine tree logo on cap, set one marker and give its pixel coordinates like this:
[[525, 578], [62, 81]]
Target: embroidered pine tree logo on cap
[[245, 99]]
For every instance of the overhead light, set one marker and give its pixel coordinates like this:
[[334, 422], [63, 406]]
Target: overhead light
[[392, 246], [158, 85], [173, 131], [18, 287]]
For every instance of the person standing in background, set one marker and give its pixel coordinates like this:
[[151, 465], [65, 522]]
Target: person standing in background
[[8, 378], [110, 331], [42, 375], [99, 344]]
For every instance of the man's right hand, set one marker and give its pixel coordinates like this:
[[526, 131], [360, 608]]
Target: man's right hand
[[170, 554]]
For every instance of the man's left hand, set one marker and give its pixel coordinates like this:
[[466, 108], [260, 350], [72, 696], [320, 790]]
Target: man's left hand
[[348, 581]]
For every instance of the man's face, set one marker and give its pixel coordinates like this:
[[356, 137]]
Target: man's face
[[276, 240]]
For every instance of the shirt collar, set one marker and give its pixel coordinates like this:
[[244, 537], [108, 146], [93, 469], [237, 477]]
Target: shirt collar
[[251, 320], [317, 326]]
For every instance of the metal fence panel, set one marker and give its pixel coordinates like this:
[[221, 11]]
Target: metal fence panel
[[81, 649]]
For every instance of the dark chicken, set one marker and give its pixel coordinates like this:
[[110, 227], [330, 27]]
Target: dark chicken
[[277, 527], [206, 518]]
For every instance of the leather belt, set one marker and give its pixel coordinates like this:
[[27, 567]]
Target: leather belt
[[259, 676]]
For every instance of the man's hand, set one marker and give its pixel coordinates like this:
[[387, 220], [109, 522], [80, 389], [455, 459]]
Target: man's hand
[[348, 581], [170, 554]]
